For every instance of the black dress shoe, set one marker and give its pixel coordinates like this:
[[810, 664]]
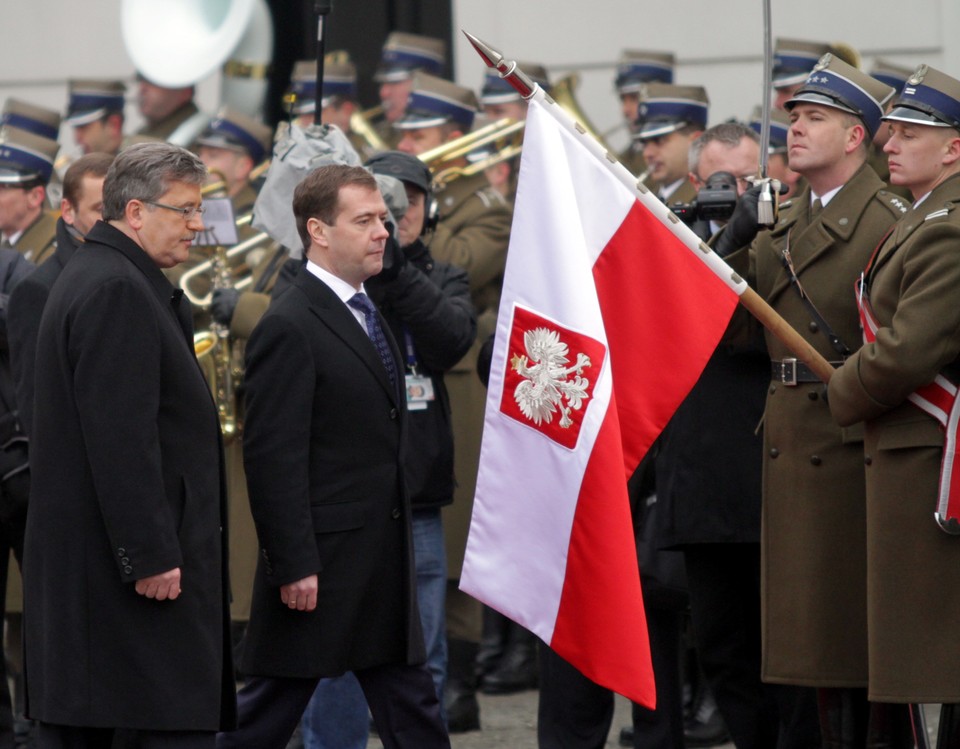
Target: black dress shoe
[[516, 672], [463, 710], [706, 728], [626, 736]]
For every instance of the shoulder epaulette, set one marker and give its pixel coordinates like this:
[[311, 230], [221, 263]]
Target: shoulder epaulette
[[489, 197], [939, 213], [893, 202]]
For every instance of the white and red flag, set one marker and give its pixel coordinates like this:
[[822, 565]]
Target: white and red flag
[[610, 311]]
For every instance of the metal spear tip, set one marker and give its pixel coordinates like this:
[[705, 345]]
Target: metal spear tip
[[490, 56]]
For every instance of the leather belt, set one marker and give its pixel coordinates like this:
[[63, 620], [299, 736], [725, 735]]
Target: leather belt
[[791, 372]]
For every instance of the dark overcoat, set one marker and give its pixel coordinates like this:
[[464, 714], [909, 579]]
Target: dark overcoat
[[813, 528], [913, 567], [323, 455], [127, 483]]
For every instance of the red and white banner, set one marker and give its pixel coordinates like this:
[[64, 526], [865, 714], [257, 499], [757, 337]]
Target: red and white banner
[[610, 311]]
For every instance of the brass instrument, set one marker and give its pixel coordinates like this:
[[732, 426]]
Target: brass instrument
[[506, 134], [210, 265], [219, 359], [362, 124]]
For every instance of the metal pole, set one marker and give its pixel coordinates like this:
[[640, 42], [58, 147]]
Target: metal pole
[[322, 8]]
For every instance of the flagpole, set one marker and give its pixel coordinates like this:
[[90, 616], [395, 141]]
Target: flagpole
[[765, 314]]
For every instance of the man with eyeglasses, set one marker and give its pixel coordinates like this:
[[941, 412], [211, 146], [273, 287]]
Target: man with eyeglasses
[[125, 580]]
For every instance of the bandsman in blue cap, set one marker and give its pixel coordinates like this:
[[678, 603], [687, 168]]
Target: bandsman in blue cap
[[26, 166], [669, 119], [793, 59], [231, 146], [402, 56], [499, 99], [95, 110], [635, 69], [908, 297], [814, 532], [472, 233]]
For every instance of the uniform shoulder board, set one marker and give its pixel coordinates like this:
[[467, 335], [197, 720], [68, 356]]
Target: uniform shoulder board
[[893, 202], [786, 204], [940, 213]]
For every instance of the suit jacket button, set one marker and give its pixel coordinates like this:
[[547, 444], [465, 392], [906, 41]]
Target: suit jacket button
[[393, 413], [121, 552], [125, 560], [396, 513], [127, 570]]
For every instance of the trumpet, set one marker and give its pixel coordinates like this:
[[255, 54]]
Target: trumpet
[[362, 124], [202, 301]]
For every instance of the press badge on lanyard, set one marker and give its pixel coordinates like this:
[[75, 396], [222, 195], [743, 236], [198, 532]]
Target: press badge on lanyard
[[419, 388]]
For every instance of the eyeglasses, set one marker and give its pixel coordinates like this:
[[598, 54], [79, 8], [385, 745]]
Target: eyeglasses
[[188, 213]]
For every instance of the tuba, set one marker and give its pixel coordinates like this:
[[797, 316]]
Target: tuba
[[177, 43]]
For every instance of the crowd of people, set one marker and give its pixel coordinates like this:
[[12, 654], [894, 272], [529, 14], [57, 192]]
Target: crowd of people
[[292, 579]]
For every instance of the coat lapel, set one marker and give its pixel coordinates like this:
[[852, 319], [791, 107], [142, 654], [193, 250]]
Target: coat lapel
[[333, 313]]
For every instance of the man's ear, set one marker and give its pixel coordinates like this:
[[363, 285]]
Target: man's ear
[[318, 232], [67, 212], [133, 214]]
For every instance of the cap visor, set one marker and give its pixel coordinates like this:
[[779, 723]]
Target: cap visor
[[908, 114]]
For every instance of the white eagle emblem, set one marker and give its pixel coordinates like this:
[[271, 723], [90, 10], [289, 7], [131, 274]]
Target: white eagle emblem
[[547, 382]]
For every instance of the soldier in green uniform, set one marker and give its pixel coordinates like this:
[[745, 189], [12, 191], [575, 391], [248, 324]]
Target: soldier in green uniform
[[894, 76], [636, 68], [813, 533], [26, 222], [95, 110], [472, 233], [669, 119], [912, 329]]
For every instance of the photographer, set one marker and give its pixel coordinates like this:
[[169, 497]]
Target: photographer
[[709, 488]]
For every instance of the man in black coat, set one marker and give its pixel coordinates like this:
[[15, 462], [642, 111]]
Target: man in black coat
[[323, 451], [125, 582]]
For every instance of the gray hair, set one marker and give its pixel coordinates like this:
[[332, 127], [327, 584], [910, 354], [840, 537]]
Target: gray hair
[[144, 172], [728, 133]]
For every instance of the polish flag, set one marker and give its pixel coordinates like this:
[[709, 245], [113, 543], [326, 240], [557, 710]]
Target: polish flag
[[609, 313]]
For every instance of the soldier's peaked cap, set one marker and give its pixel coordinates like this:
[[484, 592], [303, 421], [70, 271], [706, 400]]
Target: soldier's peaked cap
[[929, 97], [436, 101], [37, 120], [665, 108], [92, 100], [836, 84], [637, 67], [405, 53], [25, 156]]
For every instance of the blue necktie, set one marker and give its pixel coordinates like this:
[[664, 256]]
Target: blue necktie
[[361, 302]]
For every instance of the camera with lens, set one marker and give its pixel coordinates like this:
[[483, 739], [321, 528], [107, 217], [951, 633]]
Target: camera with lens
[[715, 201]]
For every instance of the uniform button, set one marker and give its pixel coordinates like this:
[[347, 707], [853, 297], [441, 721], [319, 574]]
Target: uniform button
[[813, 327], [125, 560], [393, 414], [867, 460], [773, 389], [128, 569], [774, 452], [815, 460], [121, 552], [844, 221], [396, 513], [813, 395]]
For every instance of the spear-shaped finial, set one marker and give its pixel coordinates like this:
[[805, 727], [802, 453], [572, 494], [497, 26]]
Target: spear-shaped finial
[[507, 68]]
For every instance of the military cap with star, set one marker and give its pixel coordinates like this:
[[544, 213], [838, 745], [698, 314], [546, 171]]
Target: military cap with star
[[834, 83]]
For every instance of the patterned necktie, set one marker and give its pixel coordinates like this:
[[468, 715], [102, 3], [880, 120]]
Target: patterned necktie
[[361, 302]]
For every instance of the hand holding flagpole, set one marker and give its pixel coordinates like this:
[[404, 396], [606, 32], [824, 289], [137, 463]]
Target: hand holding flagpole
[[767, 316]]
